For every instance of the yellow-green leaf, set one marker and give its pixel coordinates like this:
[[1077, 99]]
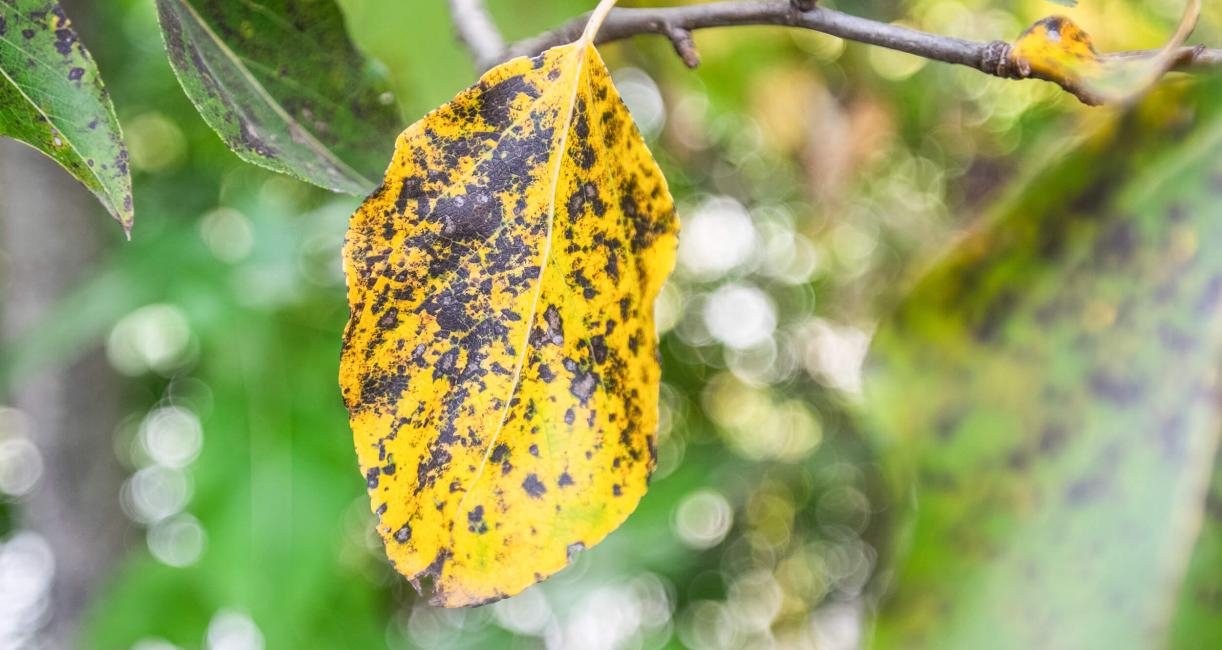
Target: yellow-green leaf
[[500, 364]]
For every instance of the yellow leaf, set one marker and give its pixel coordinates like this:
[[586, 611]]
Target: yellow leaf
[[500, 363], [1055, 46], [1056, 49]]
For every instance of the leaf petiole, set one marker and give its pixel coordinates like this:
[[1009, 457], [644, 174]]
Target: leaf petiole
[[596, 21]]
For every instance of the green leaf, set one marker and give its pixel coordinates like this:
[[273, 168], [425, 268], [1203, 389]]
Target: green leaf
[[52, 98], [283, 86], [1050, 389]]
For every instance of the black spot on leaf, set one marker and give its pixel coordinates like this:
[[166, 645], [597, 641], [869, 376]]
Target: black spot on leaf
[[475, 520], [533, 486], [583, 385]]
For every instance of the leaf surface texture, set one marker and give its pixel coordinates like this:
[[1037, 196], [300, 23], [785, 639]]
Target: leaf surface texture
[[500, 362]]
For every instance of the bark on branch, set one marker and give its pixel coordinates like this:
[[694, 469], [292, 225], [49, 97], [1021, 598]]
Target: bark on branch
[[677, 23]]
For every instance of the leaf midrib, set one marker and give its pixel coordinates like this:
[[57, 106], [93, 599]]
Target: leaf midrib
[[534, 310]]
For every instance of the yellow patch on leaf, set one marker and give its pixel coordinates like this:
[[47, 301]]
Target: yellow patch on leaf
[[500, 362]]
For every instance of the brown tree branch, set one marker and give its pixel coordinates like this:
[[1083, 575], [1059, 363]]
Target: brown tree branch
[[677, 23], [478, 32]]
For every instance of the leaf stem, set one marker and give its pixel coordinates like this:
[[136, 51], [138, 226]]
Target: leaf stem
[[596, 21], [1166, 56]]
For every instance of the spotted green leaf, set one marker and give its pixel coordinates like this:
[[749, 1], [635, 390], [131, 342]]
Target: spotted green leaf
[[283, 86], [52, 98], [1050, 390]]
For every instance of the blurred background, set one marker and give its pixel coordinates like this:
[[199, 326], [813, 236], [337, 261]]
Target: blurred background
[[176, 468]]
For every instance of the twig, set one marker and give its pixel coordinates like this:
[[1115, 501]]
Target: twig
[[685, 46], [677, 23], [478, 32]]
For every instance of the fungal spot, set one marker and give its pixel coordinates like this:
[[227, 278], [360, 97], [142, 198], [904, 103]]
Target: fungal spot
[[389, 319], [1086, 490], [583, 385], [403, 534], [500, 454], [475, 520], [533, 486], [63, 41], [1116, 389], [1052, 439], [573, 550], [598, 348], [555, 327]]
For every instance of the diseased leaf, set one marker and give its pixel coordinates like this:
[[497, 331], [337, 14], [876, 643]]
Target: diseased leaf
[[52, 98], [283, 86], [1056, 46], [1052, 389], [500, 365], [1057, 49]]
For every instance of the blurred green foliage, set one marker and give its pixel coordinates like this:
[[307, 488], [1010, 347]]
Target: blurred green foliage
[[1050, 387], [813, 177]]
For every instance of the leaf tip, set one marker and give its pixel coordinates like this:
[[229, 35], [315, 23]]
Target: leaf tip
[[126, 216]]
